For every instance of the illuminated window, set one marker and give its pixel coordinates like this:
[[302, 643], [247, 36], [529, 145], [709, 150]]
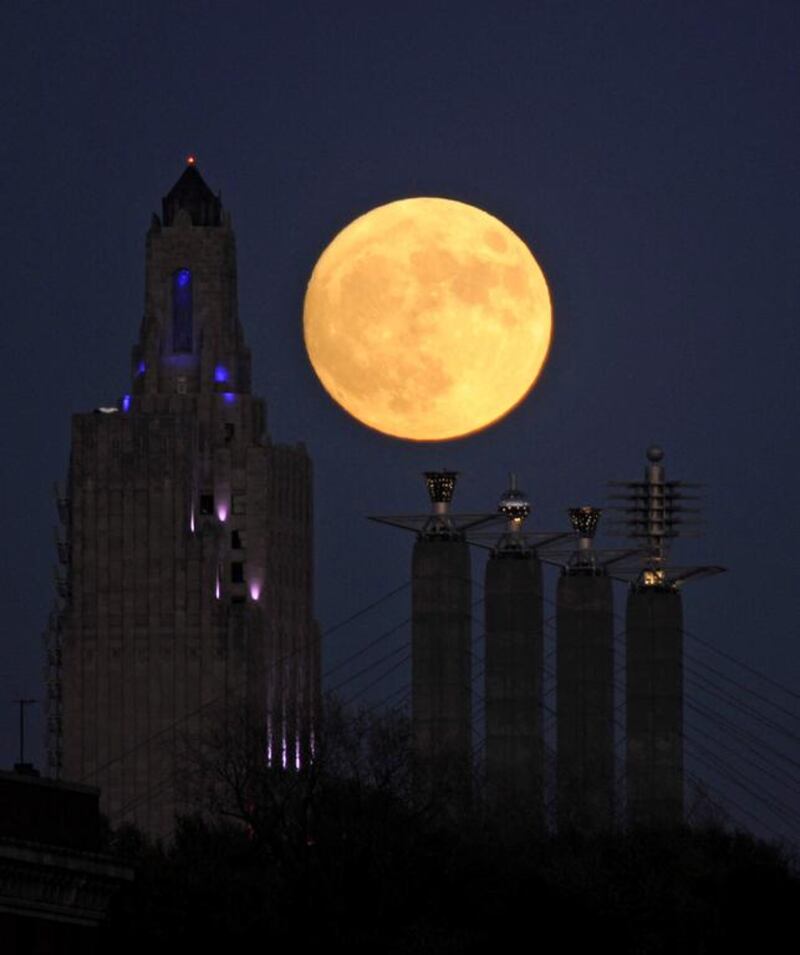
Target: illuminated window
[[182, 311], [653, 578]]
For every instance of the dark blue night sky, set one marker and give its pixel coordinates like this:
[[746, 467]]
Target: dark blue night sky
[[647, 152]]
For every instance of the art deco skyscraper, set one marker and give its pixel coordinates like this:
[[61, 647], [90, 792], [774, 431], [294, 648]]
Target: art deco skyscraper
[[186, 591]]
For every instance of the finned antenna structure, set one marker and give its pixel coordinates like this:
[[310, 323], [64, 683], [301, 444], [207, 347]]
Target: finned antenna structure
[[655, 512]]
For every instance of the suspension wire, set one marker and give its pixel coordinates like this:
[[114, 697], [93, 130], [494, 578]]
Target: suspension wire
[[710, 687], [791, 784], [743, 665], [620, 636], [382, 676], [695, 743], [384, 658], [776, 806], [787, 779], [744, 708], [725, 697], [364, 610], [370, 666], [779, 809], [150, 793], [731, 726], [369, 646], [239, 687], [156, 789], [703, 784], [788, 817], [743, 686], [400, 704], [733, 700]]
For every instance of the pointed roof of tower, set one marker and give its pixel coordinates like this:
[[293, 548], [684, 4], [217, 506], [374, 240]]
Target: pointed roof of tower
[[191, 194]]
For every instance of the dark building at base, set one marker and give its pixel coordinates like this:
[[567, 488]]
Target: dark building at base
[[55, 882]]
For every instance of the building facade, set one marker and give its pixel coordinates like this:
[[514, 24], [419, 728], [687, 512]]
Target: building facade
[[185, 592]]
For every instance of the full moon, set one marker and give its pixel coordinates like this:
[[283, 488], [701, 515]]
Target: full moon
[[427, 319]]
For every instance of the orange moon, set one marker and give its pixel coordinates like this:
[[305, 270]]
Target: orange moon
[[427, 319]]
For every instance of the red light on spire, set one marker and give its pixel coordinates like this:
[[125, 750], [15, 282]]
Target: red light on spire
[[191, 160]]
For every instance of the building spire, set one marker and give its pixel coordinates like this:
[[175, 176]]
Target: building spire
[[192, 195]]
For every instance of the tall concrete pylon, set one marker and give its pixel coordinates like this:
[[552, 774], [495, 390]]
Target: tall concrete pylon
[[655, 512], [654, 705], [441, 651], [513, 667], [584, 685], [441, 645]]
